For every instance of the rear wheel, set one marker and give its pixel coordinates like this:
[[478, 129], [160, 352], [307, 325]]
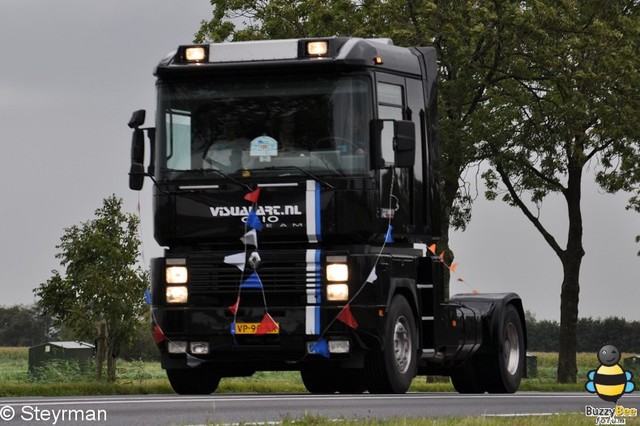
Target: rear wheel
[[318, 380], [506, 367], [392, 369], [193, 381]]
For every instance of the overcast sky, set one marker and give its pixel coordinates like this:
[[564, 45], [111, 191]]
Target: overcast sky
[[71, 73]]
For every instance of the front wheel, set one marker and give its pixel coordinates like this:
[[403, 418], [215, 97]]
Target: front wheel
[[193, 381], [392, 369]]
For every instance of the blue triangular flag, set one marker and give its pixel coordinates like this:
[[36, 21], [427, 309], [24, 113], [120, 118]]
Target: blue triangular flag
[[252, 282], [387, 238], [320, 347], [147, 297], [254, 221]]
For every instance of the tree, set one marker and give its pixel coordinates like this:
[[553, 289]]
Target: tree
[[102, 284], [23, 326], [569, 102]]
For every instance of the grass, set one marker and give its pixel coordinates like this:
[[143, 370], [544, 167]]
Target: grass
[[138, 377]]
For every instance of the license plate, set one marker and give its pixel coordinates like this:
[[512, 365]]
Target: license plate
[[251, 328]]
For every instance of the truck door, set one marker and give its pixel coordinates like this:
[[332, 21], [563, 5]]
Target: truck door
[[392, 105]]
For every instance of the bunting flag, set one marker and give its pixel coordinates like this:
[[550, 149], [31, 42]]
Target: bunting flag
[[250, 238], [253, 196], [372, 275], [432, 248], [441, 257], [388, 238], [347, 317], [267, 325], [453, 267], [147, 297], [158, 334], [320, 347], [254, 221], [239, 260], [234, 308], [252, 282]]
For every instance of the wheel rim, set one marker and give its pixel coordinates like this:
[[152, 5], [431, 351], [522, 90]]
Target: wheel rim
[[402, 345], [512, 349]]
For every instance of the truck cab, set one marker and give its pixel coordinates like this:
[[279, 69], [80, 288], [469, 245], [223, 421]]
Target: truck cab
[[296, 195]]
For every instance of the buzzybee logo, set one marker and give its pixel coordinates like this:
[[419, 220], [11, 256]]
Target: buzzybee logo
[[610, 381]]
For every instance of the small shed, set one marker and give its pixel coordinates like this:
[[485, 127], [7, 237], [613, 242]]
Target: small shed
[[70, 351]]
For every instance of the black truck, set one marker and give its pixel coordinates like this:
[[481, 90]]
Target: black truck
[[296, 195]]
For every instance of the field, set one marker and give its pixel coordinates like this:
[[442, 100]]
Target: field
[[138, 377]]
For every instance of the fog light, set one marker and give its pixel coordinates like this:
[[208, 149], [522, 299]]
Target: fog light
[[177, 347], [339, 346], [177, 294], [199, 348], [337, 292]]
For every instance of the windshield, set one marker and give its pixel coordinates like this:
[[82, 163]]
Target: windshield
[[266, 126]]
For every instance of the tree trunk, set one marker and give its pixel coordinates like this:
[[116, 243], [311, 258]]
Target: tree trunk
[[100, 350], [571, 260]]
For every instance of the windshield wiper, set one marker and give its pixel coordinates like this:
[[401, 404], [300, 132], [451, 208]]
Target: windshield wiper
[[311, 175], [225, 176]]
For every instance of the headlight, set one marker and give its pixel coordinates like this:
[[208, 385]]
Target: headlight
[[337, 272], [177, 275], [317, 48], [337, 292], [177, 294], [195, 54]]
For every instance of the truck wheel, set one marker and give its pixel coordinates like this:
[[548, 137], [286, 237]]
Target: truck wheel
[[350, 381], [318, 380], [507, 364], [467, 378], [193, 381], [392, 369]]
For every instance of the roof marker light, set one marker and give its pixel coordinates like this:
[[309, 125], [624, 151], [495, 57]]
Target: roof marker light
[[317, 48], [195, 54]]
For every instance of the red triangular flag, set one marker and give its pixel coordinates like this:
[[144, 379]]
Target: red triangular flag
[[453, 267], [267, 325], [347, 317], [234, 308], [253, 196], [432, 248]]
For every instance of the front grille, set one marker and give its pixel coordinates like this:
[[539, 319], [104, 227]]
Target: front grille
[[285, 276]]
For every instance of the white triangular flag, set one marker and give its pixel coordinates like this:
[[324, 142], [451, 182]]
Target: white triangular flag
[[237, 260], [372, 275], [250, 238]]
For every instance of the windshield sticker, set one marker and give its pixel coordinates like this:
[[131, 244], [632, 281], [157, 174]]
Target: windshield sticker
[[264, 146]]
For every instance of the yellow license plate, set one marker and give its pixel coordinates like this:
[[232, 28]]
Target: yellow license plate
[[252, 328]]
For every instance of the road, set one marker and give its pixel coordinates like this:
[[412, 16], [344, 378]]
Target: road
[[227, 408]]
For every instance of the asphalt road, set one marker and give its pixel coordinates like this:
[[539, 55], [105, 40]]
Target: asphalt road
[[227, 408]]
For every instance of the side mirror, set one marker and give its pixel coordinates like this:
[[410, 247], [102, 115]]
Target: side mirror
[[137, 119], [404, 143], [136, 172]]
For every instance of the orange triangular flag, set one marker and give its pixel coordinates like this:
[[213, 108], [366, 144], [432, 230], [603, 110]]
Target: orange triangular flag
[[253, 196], [347, 317], [234, 308], [453, 267], [267, 325], [432, 248]]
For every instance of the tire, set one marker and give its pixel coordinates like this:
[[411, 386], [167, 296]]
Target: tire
[[467, 378], [318, 380], [331, 380], [392, 369], [506, 366], [193, 381]]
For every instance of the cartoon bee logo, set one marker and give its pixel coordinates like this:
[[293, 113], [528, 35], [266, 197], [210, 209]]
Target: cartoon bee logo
[[609, 381]]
